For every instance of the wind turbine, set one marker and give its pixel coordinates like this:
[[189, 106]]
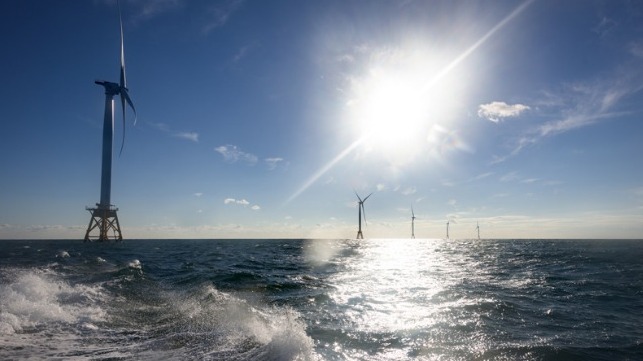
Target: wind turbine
[[478, 229], [104, 217], [412, 223], [360, 208], [447, 229]]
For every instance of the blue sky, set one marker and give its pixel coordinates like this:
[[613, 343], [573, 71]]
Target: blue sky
[[261, 118]]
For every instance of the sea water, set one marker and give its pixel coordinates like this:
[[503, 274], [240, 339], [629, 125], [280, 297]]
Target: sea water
[[393, 299]]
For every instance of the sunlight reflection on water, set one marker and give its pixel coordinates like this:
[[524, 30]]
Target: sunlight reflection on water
[[409, 291]]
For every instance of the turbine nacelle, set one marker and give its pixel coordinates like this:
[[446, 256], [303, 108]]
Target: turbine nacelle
[[110, 88]]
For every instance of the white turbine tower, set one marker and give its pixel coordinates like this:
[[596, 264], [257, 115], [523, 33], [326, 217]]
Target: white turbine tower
[[104, 218], [478, 229], [360, 209], [412, 223]]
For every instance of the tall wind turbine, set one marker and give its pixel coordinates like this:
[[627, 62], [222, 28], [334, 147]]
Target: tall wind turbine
[[412, 223], [104, 218], [360, 209], [478, 229]]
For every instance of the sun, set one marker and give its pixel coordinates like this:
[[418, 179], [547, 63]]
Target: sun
[[393, 105], [390, 109]]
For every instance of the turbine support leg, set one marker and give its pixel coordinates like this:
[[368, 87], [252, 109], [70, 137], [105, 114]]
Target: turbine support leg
[[360, 235], [103, 225]]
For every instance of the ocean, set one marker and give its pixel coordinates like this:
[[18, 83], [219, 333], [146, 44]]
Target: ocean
[[392, 299]]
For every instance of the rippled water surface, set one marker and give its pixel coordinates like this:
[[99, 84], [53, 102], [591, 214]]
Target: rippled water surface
[[322, 300]]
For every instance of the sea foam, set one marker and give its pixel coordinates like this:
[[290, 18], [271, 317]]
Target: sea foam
[[36, 297]]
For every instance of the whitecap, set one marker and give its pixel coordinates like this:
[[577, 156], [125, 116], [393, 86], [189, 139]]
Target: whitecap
[[38, 297]]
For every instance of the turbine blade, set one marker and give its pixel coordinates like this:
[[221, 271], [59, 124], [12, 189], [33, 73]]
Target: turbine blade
[[360, 199], [364, 212], [123, 80], [122, 106], [367, 197], [125, 98]]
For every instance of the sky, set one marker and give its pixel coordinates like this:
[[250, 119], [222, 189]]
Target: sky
[[263, 119]]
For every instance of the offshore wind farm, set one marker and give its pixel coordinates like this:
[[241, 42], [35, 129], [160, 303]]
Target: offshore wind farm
[[508, 131], [241, 135]]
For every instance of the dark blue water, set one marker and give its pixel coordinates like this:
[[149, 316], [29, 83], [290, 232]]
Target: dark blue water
[[322, 300]]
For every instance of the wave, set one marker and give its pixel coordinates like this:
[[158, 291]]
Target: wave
[[214, 325]]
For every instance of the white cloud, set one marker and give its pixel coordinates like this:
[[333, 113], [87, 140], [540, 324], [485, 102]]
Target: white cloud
[[509, 177], [193, 136], [220, 14], [198, 194], [151, 9], [273, 162], [232, 154], [636, 49], [242, 202], [496, 111], [380, 187], [242, 53], [409, 190]]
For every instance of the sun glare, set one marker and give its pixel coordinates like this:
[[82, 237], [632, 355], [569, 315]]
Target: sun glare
[[394, 105], [390, 110]]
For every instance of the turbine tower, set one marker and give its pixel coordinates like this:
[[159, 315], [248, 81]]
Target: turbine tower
[[360, 208], [104, 218], [478, 229], [412, 223], [447, 229]]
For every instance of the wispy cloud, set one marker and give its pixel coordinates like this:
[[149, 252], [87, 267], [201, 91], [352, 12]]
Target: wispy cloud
[[193, 136], [408, 191], [241, 202], [163, 127], [582, 104], [233, 154], [219, 14], [273, 162], [144, 10], [242, 53], [497, 111]]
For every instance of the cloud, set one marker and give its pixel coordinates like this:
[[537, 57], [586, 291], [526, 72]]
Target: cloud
[[636, 49], [192, 136], [242, 202], [273, 162], [198, 194], [242, 53], [219, 14], [188, 135], [496, 111], [232, 154], [150, 9], [409, 190]]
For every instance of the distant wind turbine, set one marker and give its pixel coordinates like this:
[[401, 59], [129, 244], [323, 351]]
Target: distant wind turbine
[[412, 223], [447, 229], [104, 217], [360, 209], [478, 229]]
